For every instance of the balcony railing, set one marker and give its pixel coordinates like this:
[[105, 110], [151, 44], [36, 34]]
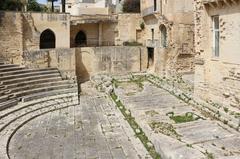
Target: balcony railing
[[149, 11], [94, 43], [152, 43]]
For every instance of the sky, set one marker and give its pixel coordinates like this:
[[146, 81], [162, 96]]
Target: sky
[[44, 1]]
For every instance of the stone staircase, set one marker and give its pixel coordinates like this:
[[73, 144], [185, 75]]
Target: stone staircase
[[19, 84], [26, 94]]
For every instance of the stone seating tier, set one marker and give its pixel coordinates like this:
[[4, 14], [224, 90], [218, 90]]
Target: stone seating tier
[[19, 84]]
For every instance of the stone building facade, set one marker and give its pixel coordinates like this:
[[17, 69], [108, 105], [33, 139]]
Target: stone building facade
[[92, 7], [217, 37], [24, 31], [168, 35]]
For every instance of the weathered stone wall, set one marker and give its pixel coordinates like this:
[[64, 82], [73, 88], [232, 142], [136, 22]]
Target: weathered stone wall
[[217, 79], [11, 36], [63, 59], [127, 28], [109, 60], [177, 17], [91, 31], [21, 32], [97, 34], [88, 61], [35, 23]]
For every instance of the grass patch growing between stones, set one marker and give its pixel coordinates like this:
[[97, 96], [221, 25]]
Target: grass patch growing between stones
[[151, 113], [136, 128], [164, 128], [188, 117]]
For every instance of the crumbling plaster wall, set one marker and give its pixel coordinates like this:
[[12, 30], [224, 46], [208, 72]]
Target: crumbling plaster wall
[[177, 17], [218, 78]]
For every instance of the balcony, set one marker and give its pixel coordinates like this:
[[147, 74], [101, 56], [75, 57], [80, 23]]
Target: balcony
[[149, 11], [152, 43], [219, 3]]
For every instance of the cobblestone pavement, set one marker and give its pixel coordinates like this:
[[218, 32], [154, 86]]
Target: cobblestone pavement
[[94, 129], [203, 138]]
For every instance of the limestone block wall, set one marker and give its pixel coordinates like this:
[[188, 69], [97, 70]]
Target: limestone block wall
[[217, 78], [63, 59], [91, 31], [109, 60], [178, 56], [88, 61], [109, 33], [11, 36], [35, 23], [21, 32], [128, 27]]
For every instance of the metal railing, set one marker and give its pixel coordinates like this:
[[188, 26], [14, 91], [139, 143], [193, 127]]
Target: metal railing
[[152, 43], [93, 43], [149, 11]]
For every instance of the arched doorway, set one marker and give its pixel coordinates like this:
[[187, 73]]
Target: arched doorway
[[80, 39], [47, 39], [163, 30]]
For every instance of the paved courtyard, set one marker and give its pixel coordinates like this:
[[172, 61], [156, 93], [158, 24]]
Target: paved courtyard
[[153, 108], [94, 129]]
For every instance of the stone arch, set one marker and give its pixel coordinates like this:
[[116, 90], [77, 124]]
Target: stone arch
[[81, 39], [47, 39], [163, 31]]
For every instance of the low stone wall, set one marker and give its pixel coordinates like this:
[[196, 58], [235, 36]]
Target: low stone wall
[[88, 61], [109, 60], [63, 59]]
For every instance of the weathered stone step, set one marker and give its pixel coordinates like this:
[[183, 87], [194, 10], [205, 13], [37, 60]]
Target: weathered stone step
[[8, 104], [29, 89], [40, 85], [12, 126], [51, 75], [50, 93], [8, 66], [4, 98], [31, 104], [32, 82], [8, 69], [43, 90], [13, 72], [14, 115], [42, 72]]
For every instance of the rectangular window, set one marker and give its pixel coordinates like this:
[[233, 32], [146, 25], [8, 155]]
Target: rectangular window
[[152, 30], [155, 5], [216, 35]]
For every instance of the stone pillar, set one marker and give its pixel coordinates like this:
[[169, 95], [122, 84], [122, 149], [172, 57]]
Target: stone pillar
[[100, 29]]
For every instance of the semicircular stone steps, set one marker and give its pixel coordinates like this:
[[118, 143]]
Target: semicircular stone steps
[[22, 71], [27, 74], [11, 121], [18, 83], [35, 91], [26, 94], [17, 68], [7, 66]]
